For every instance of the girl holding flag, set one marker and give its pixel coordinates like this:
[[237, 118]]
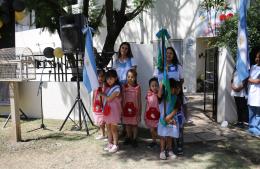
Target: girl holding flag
[[168, 127]]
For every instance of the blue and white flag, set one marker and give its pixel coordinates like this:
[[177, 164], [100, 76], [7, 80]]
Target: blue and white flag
[[242, 64], [90, 71]]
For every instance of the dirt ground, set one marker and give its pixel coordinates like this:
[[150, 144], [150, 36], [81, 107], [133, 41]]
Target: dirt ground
[[45, 149]]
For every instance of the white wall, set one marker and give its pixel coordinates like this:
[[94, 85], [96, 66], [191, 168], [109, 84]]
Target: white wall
[[57, 99], [37, 40], [226, 109]]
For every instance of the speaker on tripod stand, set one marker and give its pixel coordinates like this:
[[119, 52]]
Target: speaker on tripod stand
[[72, 37], [72, 40]]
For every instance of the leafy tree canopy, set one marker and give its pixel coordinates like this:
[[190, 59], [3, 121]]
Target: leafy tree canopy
[[228, 31]]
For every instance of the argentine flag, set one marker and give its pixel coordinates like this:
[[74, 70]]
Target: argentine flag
[[89, 71], [242, 64]]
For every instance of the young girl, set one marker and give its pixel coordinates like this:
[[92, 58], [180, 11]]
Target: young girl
[[131, 107], [168, 127], [112, 110], [254, 97], [152, 113], [97, 105]]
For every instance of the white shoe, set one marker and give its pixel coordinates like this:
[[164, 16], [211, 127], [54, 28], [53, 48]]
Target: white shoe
[[163, 155], [108, 147], [100, 137], [171, 155], [113, 149]]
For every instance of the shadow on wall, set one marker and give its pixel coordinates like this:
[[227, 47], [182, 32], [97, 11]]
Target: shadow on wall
[[144, 57]]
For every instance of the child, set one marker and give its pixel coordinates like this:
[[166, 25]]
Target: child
[[152, 113], [112, 110], [97, 105], [254, 97], [131, 107], [239, 93], [168, 123]]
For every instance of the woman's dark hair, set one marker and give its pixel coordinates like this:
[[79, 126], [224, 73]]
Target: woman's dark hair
[[129, 52], [112, 73], [101, 71], [175, 60], [134, 73], [154, 79]]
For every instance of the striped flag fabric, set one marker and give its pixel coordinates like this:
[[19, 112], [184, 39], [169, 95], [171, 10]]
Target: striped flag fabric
[[161, 64], [242, 64], [89, 71]]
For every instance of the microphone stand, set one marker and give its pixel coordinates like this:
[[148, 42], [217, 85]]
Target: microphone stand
[[42, 126]]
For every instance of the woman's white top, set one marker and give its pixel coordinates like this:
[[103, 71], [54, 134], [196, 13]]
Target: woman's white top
[[174, 71], [254, 89]]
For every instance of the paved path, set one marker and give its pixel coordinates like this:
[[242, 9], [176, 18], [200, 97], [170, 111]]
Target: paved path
[[202, 128]]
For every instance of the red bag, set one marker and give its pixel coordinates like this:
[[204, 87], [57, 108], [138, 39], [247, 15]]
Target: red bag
[[153, 114], [129, 110], [107, 110], [97, 106]]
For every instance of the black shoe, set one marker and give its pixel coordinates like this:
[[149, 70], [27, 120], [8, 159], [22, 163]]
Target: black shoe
[[240, 125], [134, 143], [179, 151], [127, 141], [152, 145]]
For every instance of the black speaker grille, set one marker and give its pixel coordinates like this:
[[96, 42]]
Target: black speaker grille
[[72, 37]]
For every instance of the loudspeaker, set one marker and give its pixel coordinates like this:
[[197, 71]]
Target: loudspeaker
[[72, 38]]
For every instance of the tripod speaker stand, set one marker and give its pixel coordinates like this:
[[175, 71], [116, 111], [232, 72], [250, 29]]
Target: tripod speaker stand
[[81, 108]]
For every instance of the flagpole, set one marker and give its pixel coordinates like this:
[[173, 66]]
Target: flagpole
[[164, 69]]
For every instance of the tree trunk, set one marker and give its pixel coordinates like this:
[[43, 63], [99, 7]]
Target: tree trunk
[[7, 39], [112, 34]]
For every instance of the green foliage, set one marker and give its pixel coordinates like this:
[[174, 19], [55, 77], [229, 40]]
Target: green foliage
[[227, 35], [219, 5], [146, 3], [94, 14], [213, 7], [46, 13]]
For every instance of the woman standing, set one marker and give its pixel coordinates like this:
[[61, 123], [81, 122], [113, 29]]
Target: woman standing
[[123, 62]]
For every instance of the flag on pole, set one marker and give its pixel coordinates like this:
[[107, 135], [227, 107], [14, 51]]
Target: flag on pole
[[89, 71], [242, 64], [161, 64]]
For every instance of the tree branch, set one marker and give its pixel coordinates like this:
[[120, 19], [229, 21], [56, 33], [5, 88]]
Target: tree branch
[[135, 12], [85, 8], [57, 5], [109, 14], [123, 6], [99, 18]]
